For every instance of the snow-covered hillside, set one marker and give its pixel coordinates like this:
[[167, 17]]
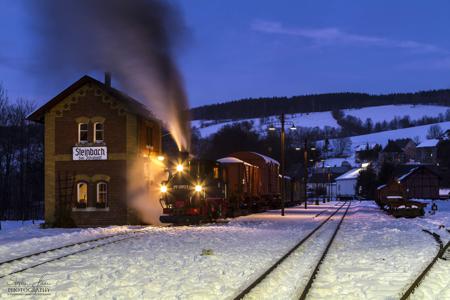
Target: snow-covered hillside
[[383, 137], [323, 119], [315, 119], [389, 112]]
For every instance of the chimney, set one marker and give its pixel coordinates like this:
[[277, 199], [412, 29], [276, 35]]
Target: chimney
[[108, 79]]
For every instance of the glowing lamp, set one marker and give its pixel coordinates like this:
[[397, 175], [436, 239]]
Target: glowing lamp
[[180, 168], [163, 189], [271, 127], [198, 188], [293, 127], [160, 157]]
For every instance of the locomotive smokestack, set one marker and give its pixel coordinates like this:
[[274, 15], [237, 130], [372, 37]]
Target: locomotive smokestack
[[183, 155]]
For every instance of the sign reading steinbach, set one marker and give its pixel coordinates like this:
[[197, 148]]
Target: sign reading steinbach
[[89, 153]]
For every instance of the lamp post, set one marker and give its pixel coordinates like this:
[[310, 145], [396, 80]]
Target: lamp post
[[282, 154], [305, 174]]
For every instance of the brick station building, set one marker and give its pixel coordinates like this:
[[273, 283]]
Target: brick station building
[[97, 140]]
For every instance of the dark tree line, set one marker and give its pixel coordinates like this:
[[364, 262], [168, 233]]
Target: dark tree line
[[21, 161], [264, 107]]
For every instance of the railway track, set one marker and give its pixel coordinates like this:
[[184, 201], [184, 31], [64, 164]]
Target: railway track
[[35, 259], [443, 253], [260, 280]]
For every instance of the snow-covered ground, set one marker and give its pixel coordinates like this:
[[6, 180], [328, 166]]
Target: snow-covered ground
[[374, 256], [325, 119]]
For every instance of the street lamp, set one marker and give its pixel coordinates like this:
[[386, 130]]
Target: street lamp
[[283, 137], [305, 175]]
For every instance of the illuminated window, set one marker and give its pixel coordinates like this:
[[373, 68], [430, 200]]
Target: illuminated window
[[82, 132], [102, 194], [216, 172], [82, 194], [98, 132]]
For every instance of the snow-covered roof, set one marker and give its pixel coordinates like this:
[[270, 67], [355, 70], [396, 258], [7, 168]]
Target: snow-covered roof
[[428, 143], [362, 147], [338, 161], [232, 160], [352, 174], [381, 187], [407, 174], [267, 159]]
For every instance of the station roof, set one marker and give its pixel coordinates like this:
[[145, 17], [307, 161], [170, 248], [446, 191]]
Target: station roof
[[132, 105]]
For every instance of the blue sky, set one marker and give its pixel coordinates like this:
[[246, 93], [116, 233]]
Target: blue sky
[[237, 49]]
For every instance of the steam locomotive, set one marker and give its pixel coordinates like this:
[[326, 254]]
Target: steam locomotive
[[199, 190]]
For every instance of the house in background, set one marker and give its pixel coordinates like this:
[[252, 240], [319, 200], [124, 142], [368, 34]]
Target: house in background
[[398, 151], [427, 151], [412, 182], [346, 184]]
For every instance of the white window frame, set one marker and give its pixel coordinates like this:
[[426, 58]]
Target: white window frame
[[79, 133], [78, 191], [98, 192], [95, 132]]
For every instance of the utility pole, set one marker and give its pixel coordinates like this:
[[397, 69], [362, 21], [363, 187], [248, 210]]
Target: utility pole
[[282, 164], [305, 175]]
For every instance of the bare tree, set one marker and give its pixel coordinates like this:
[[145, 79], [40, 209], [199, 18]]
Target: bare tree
[[434, 132], [341, 145]]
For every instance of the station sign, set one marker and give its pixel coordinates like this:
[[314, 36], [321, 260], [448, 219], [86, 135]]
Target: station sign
[[89, 153]]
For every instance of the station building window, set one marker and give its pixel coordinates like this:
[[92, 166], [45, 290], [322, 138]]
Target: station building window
[[83, 132], [102, 194], [98, 132], [82, 194]]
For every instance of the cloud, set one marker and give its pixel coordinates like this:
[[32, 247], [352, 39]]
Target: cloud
[[333, 35], [442, 64]]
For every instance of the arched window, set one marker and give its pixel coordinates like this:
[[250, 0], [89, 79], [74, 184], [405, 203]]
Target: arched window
[[102, 194], [98, 132], [82, 132], [82, 194]]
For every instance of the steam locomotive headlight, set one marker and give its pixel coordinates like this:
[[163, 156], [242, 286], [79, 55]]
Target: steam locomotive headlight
[[163, 189], [180, 168], [198, 188]]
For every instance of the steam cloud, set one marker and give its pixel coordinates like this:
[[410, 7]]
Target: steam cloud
[[135, 40]]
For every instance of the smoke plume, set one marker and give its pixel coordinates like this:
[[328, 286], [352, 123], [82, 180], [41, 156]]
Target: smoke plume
[[134, 40]]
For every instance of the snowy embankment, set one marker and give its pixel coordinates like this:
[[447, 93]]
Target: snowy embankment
[[374, 256]]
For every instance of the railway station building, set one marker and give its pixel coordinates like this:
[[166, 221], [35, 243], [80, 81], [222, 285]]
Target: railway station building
[[100, 147]]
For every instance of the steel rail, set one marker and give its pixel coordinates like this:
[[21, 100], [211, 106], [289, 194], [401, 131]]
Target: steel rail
[[322, 258], [132, 233], [439, 255], [242, 294]]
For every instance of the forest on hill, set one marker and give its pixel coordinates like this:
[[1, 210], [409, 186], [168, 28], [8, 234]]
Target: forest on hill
[[264, 107]]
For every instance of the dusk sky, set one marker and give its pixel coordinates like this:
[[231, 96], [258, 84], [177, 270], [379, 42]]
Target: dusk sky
[[237, 49]]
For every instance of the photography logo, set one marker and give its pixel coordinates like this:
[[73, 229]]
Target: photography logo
[[21, 287]]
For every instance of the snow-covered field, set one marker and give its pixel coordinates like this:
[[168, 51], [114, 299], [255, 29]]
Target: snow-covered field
[[374, 257], [325, 119]]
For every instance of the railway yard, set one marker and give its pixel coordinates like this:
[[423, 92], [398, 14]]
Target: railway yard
[[351, 249]]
